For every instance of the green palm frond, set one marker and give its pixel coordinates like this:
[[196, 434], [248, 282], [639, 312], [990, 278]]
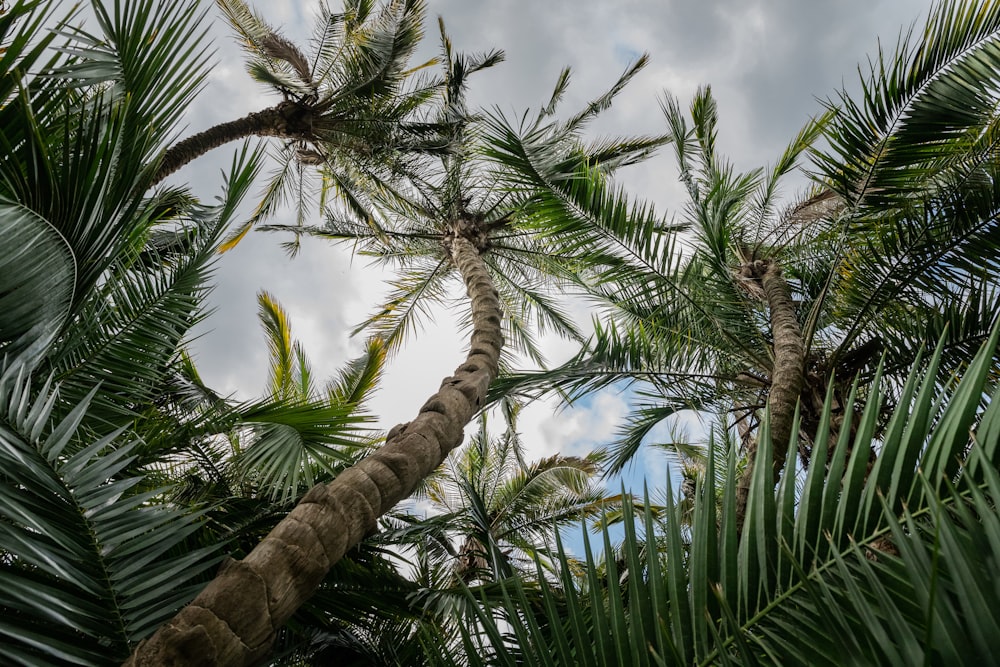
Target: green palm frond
[[557, 492], [37, 291], [126, 332], [78, 171], [630, 256], [913, 158], [571, 204], [153, 58], [27, 33], [328, 40], [297, 435], [358, 380], [292, 445], [90, 563], [352, 106], [409, 301], [917, 105], [604, 100], [252, 30], [377, 59], [765, 199], [647, 414], [883, 561], [273, 60], [291, 184], [282, 382], [44, 163]]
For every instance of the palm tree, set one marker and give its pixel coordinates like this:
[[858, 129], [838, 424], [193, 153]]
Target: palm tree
[[705, 324], [233, 620], [499, 509], [835, 567], [248, 462], [100, 286], [344, 111], [758, 310]]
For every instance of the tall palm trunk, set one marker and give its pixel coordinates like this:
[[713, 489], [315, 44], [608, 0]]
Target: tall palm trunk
[[288, 119], [786, 376], [234, 619]]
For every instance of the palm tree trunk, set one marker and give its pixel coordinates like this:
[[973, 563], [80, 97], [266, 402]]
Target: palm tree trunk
[[786, 378], [288, 119], [234, 619]]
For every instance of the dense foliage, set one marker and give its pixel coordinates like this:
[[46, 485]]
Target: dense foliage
[[848, 341]]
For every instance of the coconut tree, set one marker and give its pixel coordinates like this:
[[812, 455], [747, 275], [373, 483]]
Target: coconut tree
[[757, 309], [491, 514], [234, 619]]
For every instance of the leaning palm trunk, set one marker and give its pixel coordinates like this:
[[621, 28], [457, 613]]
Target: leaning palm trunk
[[786, 377], [288, 120], [233, 621]]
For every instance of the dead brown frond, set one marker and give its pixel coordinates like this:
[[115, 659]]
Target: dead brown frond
[[276, 46]]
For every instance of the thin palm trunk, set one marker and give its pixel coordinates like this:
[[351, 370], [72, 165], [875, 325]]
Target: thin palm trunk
[[233, 621], [786, 377], [288, 119]]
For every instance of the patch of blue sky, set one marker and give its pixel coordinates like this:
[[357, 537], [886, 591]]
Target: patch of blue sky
[[657, 460], [626, 54]]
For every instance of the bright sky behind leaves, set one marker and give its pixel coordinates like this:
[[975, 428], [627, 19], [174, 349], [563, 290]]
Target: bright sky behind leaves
[[767, 62]]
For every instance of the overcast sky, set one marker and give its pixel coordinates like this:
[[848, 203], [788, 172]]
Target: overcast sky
[[767, 62]]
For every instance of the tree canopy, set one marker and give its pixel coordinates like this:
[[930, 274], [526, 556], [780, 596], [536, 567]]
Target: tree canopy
[[843, 347]]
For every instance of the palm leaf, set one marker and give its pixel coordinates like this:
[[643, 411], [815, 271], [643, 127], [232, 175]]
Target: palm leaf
[[128, 330], [38, 284], [357, 381], [90, 565], [894, 575]]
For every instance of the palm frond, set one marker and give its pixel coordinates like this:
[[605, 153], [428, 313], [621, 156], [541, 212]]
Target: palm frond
[[282, 383], [603, 102], [409, 299], [153, 56], [292, 445], [916, 105], [357, 381], [884, 561], [37, 289], [90, 564], [126, 332]]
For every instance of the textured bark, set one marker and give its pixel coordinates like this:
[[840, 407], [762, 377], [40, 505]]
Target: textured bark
[[288, 120], [786, 377], [842, 416], [234, 619]]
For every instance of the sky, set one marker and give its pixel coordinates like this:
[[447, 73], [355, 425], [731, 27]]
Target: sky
[[769, 63]]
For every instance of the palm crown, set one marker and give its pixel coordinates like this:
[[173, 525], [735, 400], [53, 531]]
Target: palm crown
[[499, 509], [348, 112], [890, 251], [464, 191]]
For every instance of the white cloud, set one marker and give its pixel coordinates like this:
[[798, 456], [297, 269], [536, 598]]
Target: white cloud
[[572, 431], [767, 61]]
